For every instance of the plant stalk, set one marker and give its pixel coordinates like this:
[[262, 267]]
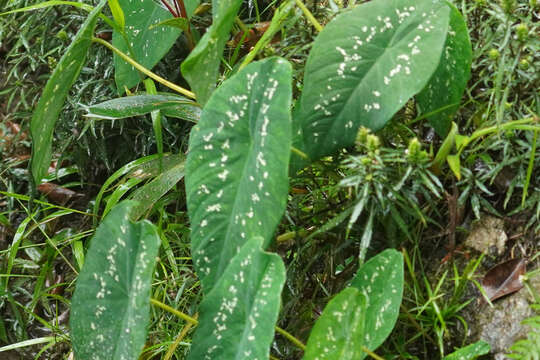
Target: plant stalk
[[194, 322], [144, 70], [309, 15]]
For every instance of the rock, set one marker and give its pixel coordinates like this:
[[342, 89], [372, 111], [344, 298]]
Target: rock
[[487, 234], [501, 326]]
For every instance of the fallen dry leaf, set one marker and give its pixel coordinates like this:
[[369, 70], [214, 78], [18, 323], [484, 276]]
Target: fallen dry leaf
[[504, 278], [58, 194]]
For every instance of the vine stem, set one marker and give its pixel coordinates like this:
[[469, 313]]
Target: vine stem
[[144, 70], [291, 338], [194, 322], [181, 315], [371, 353], [309, 15]]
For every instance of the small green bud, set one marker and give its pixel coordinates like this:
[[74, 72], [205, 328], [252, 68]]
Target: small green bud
[[415, 154], [372, 142], [493, 54], [361, 136], [522, 32], [508, 6], [508, 105], [481, 2], [62, 35], [524, 64], [51, 61]]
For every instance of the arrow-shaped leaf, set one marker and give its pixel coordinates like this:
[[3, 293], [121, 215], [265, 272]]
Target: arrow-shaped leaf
[[364, 66], [239, 314], [110, 308], [236, 169]]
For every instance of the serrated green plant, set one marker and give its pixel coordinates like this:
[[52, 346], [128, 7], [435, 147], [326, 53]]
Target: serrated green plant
[[364, 66]]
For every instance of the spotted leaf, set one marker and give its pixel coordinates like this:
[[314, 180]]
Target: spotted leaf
[[381, 280], [339, 332], [52, 99], [172, 105], [110, 308], [201, 68], [236, 169], [445, 88], [239, 314], [364, 66], [147, 44]]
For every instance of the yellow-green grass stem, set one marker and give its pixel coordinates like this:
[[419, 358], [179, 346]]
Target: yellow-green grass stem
[[144, 70]]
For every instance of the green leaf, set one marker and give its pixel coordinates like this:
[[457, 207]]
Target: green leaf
[[455, 165], [179, 23], [236, 170], [449, 81], [239, 314], [52, 99], [469, 352], [381, 280], [117, 13], [201, 68], [149, 194], [128, 106], [46, 4], [146, 46], [445, 149], [111, 304], [363, 68], [339, 332]]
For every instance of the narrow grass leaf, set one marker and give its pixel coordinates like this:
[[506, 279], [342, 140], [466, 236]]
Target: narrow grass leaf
[[150, 193], [339, 332], [239, 314], [201, 67], [363, 68], [237, 165], [52, 99], [470, 352], [111, 304], [381, 281], [173, 105], [449, 81]]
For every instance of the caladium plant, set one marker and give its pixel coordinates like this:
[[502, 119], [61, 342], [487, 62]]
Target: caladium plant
[[363, 67]]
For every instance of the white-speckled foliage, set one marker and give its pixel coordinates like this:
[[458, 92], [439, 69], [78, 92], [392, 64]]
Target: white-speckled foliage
[[449, 81], [110, 307], [381, 280], [361, 315], [135, 105], [201, 68], [236, 169], [364, 66], [54, 94], [238, 315], [148, 45], [339, 331]]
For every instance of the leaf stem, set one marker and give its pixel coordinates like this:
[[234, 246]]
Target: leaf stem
[[371, 353], [299, 152], [178, 313], [194, 322], [183, 333], [291, 338], [309, 15], [144, 70]]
